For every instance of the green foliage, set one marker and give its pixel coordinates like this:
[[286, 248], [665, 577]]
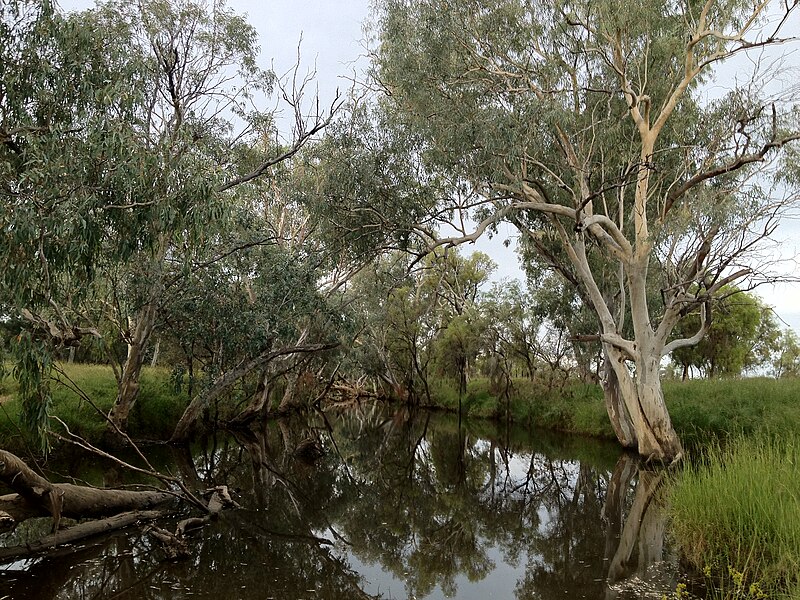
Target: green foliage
[[117, 134], [742, 336], [786, 362], [419, 321], [574, 407], [631, 187], [737, 508], [363, 185], [32, 369]]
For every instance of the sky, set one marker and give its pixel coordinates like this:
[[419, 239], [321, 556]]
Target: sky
[[332, 34]]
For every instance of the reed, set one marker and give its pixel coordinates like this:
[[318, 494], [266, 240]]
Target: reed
[[736, 512]]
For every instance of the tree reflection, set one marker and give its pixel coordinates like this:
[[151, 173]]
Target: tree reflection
[[437, 505]]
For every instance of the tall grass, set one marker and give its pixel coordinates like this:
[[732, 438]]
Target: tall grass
[[700, 409], [737, 511], [723, 408]]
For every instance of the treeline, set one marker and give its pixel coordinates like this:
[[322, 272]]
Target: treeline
[[153, 213]]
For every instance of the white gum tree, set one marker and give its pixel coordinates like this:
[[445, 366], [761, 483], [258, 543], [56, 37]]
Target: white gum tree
[[587, 124]]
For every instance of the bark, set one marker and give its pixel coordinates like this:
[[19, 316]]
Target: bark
[[36, 496], [132, 369], [618, 414], [156, 349], [289, 402], [643, 399]]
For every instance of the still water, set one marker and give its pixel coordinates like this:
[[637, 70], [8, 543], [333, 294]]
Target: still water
[[398, 506]]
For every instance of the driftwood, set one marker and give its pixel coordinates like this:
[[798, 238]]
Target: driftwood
[[79, 532], [174, 544], [110, 509], [35, 496]]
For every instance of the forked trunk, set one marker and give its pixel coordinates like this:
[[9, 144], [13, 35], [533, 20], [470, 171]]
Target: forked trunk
[[645, 419]]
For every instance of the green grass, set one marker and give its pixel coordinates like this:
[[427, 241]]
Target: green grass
[[700, 409], [154, 415], [575, 407], [736, 515], [726, 408]]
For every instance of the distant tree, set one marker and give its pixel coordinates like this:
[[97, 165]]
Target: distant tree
[[742, 335], [786, 362]]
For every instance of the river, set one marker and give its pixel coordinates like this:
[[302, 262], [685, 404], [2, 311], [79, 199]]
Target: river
[[369, 503]]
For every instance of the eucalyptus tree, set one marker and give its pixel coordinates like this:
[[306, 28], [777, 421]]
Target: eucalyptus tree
[[127, 134], [585, 124], [512, 332], [416, 319], [786, 362], [455, 282], [743, 335]]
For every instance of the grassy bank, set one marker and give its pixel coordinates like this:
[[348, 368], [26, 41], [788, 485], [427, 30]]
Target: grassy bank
[[153, 416], [736, 517], [699, 409]]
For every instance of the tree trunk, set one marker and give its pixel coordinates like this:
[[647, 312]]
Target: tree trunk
[[132, 369], [80, 532], [189, 418], [618, 414], [647, 415], [154, 360], [289, 401], [36, 497]]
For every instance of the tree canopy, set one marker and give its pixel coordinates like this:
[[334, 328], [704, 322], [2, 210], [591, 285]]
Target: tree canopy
[[584, 125]]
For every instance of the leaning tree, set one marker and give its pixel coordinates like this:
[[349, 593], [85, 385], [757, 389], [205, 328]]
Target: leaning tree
[[593, 127], [129, 135]]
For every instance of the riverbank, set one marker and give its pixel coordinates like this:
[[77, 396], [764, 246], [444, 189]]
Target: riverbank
[[734, 507], [153, 417], [700, 409], [736, 517]]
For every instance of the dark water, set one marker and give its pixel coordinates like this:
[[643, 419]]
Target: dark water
[[398, 506]]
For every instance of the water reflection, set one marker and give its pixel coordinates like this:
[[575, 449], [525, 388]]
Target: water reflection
[[398, 506]]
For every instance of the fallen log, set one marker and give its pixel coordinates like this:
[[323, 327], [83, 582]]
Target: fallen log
[[79, 532], [36, 496]]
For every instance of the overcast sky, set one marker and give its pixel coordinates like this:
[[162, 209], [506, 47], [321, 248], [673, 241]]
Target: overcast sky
[[332, 36]]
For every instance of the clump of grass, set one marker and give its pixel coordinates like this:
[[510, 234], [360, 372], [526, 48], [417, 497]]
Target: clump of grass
[[740, 508]]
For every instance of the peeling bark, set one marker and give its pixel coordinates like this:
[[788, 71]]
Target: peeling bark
[[615, 407], [636, 406]]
